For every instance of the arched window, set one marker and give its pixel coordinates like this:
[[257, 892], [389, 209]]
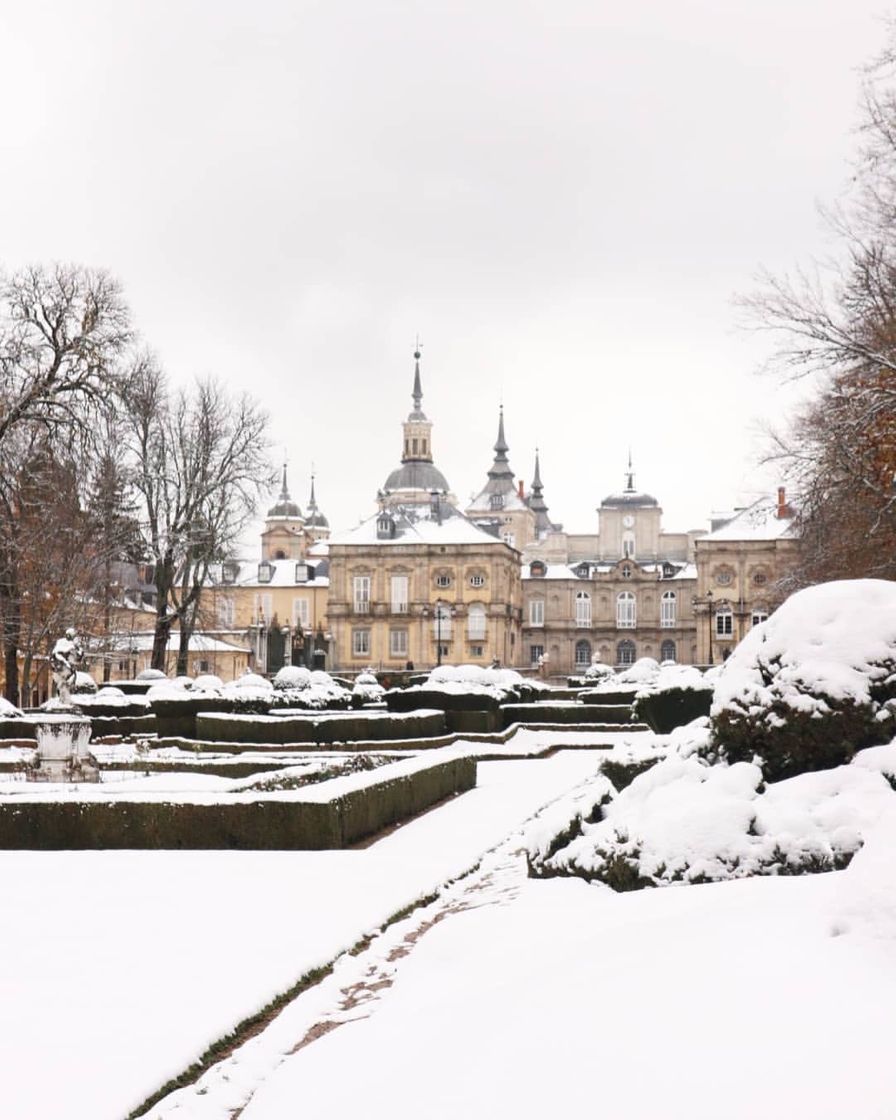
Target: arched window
[[583, 654], [476, 622], [628, 546], [583, 609], [625, 611], [625, 653], [667, 651], [667, 609]]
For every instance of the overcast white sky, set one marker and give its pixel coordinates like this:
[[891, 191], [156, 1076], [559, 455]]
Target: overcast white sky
[[560, 197]]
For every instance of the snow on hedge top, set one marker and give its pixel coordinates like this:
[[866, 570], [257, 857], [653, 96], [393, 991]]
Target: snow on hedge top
[[831, 641], [9, 710], [473, 679]]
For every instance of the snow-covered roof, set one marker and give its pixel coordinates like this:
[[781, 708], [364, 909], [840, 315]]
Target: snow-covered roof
[[552, 571], [244, 573], [418, 524], [142, 642], [758, 522]]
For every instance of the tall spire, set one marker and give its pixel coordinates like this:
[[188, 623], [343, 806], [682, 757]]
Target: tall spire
[[417, 393], [284, 489], [537, 485], [501, 446]]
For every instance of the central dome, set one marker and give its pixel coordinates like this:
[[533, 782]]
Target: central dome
[[416, 474]]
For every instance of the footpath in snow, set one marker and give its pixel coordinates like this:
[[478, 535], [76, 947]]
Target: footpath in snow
[[119, 968]]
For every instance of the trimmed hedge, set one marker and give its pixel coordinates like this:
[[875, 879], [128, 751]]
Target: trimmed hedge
[[17, 729], [399, 700], [664, 711], [567, 713], [267, 823], [338, 728], [178, 717], [616, 696]]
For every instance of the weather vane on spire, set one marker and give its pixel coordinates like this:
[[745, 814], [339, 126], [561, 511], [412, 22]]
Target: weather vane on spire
[[418, 346]]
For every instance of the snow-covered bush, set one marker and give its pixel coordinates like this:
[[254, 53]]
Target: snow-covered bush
[[292, 676], [673, 697], [685, 820], [8, 710], [151, 675], [84, 683], [814, 683], [598, 671], [252, 681], [367, 689], [207, 682]]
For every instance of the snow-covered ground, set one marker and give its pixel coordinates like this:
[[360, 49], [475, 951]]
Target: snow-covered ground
[[760, 997], [119, 968]]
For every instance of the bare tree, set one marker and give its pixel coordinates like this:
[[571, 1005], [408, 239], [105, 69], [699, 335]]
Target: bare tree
[[200, 464], [837, 324], [63, 331]]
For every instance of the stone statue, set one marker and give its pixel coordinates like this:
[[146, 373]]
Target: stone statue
[[65, 657]]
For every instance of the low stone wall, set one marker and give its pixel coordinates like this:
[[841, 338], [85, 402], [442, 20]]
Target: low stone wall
[[318, 730], [311, 820]]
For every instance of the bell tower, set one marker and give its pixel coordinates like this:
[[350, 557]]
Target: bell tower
[[417, 447]]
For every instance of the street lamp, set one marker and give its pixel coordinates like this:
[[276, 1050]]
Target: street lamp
[[439, 604], [709, 615]]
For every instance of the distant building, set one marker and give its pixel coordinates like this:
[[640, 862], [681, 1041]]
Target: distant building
[[419, 582]]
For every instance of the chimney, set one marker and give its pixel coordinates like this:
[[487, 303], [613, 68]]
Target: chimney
[[521, 491], [783, 507]]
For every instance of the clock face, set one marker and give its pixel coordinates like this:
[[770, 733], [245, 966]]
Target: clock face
[[628, 521]]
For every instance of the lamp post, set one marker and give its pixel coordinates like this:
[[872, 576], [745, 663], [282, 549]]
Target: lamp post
[[438, 632], [709, 616]]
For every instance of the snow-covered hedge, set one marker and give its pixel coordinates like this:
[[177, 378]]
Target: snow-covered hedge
[[686, 820], [367, 689], [673, 697], [814, 683]]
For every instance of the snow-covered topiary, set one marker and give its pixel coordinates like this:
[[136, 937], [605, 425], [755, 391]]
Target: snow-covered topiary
[[184, 682], [151, 675], [207, 682], [84, 683], [367, 689], [292, 676], [812, 684], [598, 671], [251, 680], [109, 692]]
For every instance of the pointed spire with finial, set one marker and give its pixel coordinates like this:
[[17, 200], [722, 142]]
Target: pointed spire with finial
[[537, 486], [417, 393], [537, 504], [501, 445], [629, 475]]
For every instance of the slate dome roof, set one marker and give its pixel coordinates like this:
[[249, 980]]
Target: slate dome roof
[[416, 474]]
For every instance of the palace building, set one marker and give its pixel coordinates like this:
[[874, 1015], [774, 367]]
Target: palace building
[[422, 582]]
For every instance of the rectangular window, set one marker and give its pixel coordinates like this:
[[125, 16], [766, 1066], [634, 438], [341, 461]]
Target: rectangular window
[[724, 624], [361, 643], [361, 594], [398, 643], [758, 616], [476, 651], [667, 610], [535, 652], [399, 587], [264, 608], [301, 614], [536, 612]]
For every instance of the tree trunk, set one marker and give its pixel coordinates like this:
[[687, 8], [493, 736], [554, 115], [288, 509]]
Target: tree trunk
[[161, 637]]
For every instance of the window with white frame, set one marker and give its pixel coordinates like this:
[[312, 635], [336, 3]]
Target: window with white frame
[[477, 651], [625, 653], [360, 643], [758, 616], [301, 612], [399, 594], [226, 611], [582, 654], [361, 594], [667, 650], [724, 622], [301, 572], [628, 546], [443, 580], [477, 580], [476, 622], [667, 609], [536, 654], [583, 608], [398, 643], [536, 612], [625, 611], [509, 538]]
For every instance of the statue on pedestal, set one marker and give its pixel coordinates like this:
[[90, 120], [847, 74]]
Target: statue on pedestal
[[65, 657]]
